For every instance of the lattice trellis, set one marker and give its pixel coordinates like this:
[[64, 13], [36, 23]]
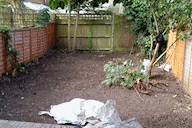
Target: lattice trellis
[[5, 16], [17, 17], [24, 17], [86, 16]]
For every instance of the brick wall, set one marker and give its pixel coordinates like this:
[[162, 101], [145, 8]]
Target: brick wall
[[31, 43]]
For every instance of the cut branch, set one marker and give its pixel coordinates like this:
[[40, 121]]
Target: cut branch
[[138, 94], [164, 52], [165, 30]]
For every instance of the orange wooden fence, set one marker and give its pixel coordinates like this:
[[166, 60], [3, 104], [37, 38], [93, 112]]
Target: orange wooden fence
[[176, 60], [32, 43], [181, 60]]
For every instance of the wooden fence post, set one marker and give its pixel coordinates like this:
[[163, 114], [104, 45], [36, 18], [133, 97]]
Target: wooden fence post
[[30, 41], [23, 44], [112, 36], [4, 54], [33, 17], [69, 27]]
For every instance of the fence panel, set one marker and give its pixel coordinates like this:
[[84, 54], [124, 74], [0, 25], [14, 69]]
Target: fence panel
[[31, 43], [176, 60], [123, 37], [102, 32], [6, 16], [181, 60], [187, 70], [17, 18], [92, 30], [2, 54]]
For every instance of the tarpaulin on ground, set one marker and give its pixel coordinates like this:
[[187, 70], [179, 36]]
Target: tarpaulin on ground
[[97, 114]]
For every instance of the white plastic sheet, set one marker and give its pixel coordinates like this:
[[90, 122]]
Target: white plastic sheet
[[146, 63], [97, 114], [75, 111], [165, 67]]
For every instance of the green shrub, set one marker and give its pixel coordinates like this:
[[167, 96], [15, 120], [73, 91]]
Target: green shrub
[[43, 17], [119, 73]]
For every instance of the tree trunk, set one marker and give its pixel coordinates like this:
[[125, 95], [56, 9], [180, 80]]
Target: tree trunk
[[69, 27], [153, 59], [156, 48], [76, 25]]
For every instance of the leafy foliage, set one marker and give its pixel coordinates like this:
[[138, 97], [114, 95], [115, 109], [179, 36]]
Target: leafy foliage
[[171, 14], [12, 52], [54, 4], [13, 3], [120, 73], [168, 12], [43, 17], [9, 50]]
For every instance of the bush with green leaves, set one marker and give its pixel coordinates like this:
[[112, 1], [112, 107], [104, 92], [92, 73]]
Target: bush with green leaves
[[43, 17], [120, 74], [157, 17], [144, 44]]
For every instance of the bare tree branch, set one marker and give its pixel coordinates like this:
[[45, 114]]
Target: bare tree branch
[[165, 30]]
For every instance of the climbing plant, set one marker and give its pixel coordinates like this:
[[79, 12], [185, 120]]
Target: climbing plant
[[11, 52], [43, 17]]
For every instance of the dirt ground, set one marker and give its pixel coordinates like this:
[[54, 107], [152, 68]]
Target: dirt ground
[[60, 77]]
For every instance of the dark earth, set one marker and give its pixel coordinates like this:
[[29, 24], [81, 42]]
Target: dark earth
[[59, 77]]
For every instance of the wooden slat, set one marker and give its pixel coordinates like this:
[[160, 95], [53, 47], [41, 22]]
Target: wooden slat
[[37, 125], [46, 126], [9, 124], [3, 122], [27, 125], [86, 36], [18, 124], [55, 126]]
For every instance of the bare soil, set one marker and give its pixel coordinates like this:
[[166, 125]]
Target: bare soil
[[60, 77]]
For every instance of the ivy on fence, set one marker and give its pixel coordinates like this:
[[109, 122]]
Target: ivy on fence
[[11, 52]]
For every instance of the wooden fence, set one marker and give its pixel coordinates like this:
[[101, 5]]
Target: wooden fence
[[96, 32], [176, 60], [17, 18], [187, 69], [181, 60], [31, 43]]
